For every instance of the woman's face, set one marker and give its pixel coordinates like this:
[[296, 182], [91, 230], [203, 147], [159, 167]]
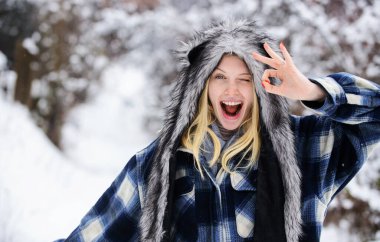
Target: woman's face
[[231, 92]]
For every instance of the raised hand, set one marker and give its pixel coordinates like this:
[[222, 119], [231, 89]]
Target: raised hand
[[294, 84]]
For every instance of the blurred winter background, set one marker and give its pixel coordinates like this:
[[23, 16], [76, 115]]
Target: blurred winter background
[[83, 85]]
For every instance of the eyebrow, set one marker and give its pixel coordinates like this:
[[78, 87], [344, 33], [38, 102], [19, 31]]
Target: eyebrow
[[245, 73], [220, 69]]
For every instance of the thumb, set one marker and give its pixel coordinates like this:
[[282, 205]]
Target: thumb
[[270, 88]]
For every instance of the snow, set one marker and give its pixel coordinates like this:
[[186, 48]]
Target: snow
[[334, 233], [38, 184], [3, 61], [103, 133], [30, 45], [7, 78], [41, 187]]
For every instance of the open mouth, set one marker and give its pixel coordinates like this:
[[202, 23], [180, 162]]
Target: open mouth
[[231, 109]]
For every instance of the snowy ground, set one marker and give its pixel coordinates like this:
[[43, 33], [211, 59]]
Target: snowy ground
[[44, 192], [39, 194]]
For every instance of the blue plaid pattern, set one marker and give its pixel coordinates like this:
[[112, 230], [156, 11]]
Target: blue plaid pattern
[[330, 147]]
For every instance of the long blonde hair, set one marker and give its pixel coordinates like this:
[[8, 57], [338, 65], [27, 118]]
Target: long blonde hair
[[249, 142]]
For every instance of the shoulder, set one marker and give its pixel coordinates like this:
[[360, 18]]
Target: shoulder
[[145, 154], [138, 164], [143, 158]]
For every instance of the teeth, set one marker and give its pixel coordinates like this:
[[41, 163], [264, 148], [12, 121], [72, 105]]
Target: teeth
[[231, 103]]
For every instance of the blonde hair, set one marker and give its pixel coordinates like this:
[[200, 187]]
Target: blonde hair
[[249, 142]]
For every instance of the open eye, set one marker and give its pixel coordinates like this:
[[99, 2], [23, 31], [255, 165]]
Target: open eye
[[219, 76]]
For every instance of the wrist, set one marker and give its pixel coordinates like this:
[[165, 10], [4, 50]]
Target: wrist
[[316, 93]]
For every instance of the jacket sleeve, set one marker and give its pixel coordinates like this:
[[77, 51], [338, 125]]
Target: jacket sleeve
[[333, 145], [116, 214]]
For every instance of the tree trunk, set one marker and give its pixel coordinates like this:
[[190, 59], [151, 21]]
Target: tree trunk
[[24, 79]]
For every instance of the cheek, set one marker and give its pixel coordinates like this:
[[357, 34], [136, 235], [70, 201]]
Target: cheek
[[212, 96], [248, 95], [213, 104]]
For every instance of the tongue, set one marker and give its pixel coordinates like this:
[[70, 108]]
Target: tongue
[[231, 110]]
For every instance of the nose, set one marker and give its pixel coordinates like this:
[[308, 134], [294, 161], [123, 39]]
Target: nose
[[231, 88]]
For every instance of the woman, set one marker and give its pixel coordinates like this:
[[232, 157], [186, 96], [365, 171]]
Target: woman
[[230, 163]]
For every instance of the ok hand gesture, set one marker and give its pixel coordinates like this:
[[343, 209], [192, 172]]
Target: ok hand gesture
[[294, 84]]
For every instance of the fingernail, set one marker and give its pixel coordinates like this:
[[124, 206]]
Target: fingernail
[[282, 44], [262, 84], [267, 81]]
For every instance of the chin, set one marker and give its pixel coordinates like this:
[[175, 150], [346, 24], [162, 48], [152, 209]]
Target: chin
[[231, 123]]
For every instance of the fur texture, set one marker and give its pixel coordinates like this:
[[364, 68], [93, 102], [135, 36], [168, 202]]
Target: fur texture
[[198, 58]]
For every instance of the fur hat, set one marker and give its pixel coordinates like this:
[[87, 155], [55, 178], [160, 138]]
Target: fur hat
[[198, 58]]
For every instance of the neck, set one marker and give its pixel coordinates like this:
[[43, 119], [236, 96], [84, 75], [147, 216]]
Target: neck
[[225, 133]]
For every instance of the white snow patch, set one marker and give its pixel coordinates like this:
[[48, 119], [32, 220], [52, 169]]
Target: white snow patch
[[110, 127], [30, 46], [39, 188]]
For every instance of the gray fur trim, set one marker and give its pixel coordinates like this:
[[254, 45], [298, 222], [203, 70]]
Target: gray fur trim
[[240, 37]]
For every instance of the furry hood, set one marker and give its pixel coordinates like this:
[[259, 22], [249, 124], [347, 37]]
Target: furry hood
[[198, 58]]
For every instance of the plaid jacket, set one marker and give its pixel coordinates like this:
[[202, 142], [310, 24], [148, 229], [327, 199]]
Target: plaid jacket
[[330, 147]]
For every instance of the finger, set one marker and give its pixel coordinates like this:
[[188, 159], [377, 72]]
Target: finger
[[270, 88], [271, 52], [263, 59], [269, 61], [285, 53], [270, 73]]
